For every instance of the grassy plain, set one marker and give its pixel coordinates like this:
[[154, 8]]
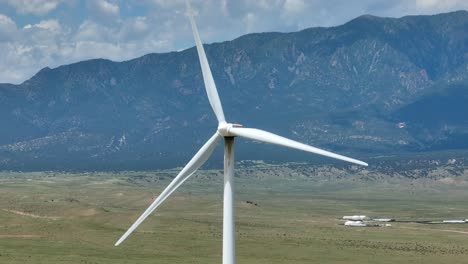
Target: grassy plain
[[52, 217]]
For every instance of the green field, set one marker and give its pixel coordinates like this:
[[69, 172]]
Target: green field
[[76, 218]]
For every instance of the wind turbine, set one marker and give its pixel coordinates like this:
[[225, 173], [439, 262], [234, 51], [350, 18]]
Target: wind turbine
[[228, 131]]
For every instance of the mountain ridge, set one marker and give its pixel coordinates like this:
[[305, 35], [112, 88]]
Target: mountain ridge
[[347, 87]]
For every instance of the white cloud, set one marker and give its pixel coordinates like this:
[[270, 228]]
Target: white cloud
[[108, 8], [135, 28], [43, 37], [103, 11], [49, 43], [250, 21], [172, 3], [34, 7], [293, 13], [294, 6], [263, 4], [51, 25], [6, 21], [441, 4], [7, 28], [91, 31]]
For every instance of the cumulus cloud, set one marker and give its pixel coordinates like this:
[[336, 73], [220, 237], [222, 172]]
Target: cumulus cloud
[[51, 25], [33, 47], [294, 6], [440, 4], [6, 21], [103, 11], [34, 7], [92, 31], [135, 28], [7, 28]]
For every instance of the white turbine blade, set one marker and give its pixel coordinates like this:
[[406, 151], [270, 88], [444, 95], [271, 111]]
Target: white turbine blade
[[210, 85], [267, 137], [202, 155]]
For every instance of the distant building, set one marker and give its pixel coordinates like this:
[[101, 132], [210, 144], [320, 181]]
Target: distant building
[[354, 217], [454, 221], [355, 223], [383, 220]]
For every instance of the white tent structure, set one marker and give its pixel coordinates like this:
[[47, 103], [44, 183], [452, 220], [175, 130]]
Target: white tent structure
[[355, 223], [354, 217], [228, 132]]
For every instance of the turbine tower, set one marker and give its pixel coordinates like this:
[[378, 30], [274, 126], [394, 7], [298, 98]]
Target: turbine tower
[[228, 132]]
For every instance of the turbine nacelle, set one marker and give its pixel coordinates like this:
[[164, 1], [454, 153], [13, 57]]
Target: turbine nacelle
[[225, 128]]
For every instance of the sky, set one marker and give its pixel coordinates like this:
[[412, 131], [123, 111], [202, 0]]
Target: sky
[[48, 33]]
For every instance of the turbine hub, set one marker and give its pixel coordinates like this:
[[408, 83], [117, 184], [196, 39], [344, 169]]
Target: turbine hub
[[223, 129]]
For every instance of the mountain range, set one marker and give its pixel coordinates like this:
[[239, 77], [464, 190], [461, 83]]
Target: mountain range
[[369, 87]]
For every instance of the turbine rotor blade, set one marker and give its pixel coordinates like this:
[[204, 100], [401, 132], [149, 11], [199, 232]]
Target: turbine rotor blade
[[267, 137], [202, 155], [210, 85]]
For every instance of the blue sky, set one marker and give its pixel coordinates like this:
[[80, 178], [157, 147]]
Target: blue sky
[[39, 33]]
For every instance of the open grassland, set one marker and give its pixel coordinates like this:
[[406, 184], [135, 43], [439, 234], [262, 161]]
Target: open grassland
[[76, 218]]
